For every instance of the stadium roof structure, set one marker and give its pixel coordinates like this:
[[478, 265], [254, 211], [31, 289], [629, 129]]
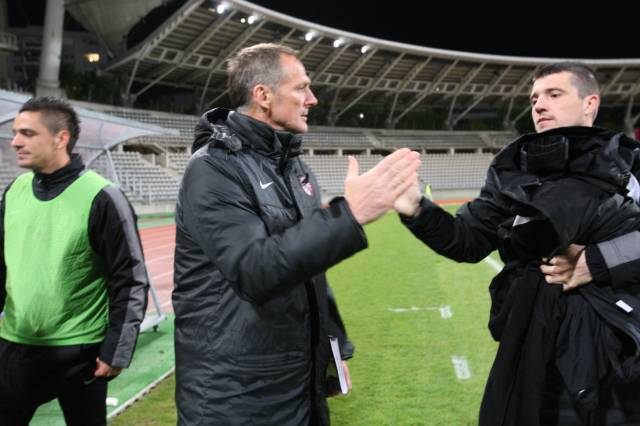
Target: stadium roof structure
[[99, 131], [189, 51]]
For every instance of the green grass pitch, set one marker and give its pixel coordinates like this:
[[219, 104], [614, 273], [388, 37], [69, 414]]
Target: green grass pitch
[[402, 371]]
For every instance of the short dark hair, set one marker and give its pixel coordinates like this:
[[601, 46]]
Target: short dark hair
[[57, 114], [253, 65], [584, 78]]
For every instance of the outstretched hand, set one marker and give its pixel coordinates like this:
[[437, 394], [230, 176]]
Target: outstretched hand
[[373, 193], [409, 201]]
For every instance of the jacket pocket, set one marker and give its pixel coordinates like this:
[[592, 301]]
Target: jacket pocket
[[265, 362]]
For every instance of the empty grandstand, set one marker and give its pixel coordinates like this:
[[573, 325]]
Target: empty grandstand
[[452, 160], [142, 181], [149, 167]]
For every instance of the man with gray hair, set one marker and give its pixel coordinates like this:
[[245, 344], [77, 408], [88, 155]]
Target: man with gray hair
[[254, 313]]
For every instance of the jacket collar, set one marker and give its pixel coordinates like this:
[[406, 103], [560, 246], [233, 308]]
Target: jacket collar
[[592, 152], [234, 131], [72, 169], [48, 186]]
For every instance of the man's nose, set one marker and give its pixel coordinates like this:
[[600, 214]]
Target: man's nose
[[16, 142], [311, 99], [540, 105]]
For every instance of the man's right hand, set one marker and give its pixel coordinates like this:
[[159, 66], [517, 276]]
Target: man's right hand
[[569, 268], [373, 193], [408, 202], [105, 370]]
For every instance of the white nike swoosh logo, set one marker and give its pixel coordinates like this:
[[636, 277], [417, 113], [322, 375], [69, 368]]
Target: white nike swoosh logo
[[265, 185]]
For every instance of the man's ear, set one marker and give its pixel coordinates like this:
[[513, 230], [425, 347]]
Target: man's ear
[[261, 96], [62, 139], [591, 105]]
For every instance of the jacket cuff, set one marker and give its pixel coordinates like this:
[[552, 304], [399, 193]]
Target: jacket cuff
[[117, 348], [597, 265], [346, 350], [339, 206], [421, 219]]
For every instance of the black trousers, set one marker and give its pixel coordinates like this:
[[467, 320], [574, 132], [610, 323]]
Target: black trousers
[[33, 375]]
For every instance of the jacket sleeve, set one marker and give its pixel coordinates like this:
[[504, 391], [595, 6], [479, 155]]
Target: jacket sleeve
[[219, 214], [336, 327], [114, 237], [469, 236], [615, 262], [3, 267]]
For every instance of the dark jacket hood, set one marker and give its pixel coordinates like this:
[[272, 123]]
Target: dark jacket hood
[[234, 131]]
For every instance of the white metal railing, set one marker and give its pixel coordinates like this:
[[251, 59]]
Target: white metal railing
[[140, 190]]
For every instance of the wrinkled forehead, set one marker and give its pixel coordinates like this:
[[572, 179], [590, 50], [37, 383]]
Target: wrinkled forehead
[[558, 81]]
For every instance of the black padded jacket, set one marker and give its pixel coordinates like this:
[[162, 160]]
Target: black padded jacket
[[542, 193], [253, 311]]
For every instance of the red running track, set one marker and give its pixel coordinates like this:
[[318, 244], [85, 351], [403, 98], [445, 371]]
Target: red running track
[[158, 244]]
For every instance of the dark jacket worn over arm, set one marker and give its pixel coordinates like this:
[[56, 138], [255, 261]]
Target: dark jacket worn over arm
[[615, 262], [557, 188]]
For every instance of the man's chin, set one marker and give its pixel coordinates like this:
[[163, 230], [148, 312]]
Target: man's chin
[[300, 128], [25, 164], [544, 126]]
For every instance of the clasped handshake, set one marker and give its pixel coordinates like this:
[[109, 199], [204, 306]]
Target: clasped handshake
[[391, 184]]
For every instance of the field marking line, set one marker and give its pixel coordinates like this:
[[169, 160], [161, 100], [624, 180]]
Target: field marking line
[[445, 311], [495, 264], [139, 395], [461, 367]]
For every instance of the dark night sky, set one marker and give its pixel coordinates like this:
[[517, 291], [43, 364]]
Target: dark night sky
[[520, 28], [534, 28]]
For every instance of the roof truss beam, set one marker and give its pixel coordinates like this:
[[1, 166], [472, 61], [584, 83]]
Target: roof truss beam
[[484, 95], [382, 75], [432, 87]]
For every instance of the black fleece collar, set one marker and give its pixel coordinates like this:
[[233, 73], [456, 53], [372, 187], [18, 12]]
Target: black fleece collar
[[233, 131], [47, 186]]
